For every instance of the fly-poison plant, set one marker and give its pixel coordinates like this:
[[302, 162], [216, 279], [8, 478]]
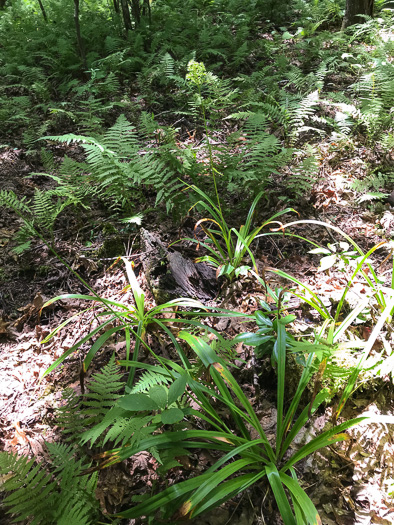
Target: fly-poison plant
[[377, 297], [131, 319], [135, 320], [229, 247], [245, 460], [156, 416]]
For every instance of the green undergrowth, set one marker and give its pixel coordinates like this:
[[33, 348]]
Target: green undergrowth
[[170, 407], [279, 89], [188, 108]]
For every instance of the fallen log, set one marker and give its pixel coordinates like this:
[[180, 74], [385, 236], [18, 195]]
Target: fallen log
[[170, 275]]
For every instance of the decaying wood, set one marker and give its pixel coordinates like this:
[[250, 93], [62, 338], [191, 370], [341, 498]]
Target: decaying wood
[[170, 275]]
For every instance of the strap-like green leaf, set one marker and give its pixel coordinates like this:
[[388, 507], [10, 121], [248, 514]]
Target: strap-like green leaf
[[228, 490], [149, 507], [281, 358], [308, 508], [205, 352], [215, 479], [371, 340], [139, 295], [216, 440], [85, 298], [327, 438], [98, 344], [62, 325], [302, 419], [230, 380], [75, 347], [280, 495]]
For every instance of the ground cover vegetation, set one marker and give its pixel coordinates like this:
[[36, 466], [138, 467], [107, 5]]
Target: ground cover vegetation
[[197, 236]]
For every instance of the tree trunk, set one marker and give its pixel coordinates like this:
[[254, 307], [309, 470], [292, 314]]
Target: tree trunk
[[126, 15], [354, 8], [81, 47], [146, 9], [116, 6], [44, 14], [136, 10]]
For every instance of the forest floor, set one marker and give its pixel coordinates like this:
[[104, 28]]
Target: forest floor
[[350, 483]]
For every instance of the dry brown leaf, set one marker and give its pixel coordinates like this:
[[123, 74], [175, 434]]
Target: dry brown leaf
[[3, 326], [38, 301], [20, 437]]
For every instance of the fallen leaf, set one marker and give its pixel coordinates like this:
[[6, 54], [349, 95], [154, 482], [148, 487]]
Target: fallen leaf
[[3, 326], [20, 437]]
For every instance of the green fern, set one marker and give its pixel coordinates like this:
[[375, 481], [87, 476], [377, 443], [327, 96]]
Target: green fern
[[376, 91], [103, 391], [103, 416], [32, 492], [69, 416], [29, 486], [168, 64], [387, 141], [112, 178], [129, 430], [45, 210], [375, 181], [78, 413], [38, 216], [9, 200], [263, 154], [372, 195], [116, 165], [301, 114], [47, 159], [149, 379], [305, 173], [106, 420]]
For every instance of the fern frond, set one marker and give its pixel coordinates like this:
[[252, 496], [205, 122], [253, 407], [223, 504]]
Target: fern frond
[[370, 196], [303, 112], [77, 492], [103, 391], [9, 200], [47, 159], [128, 430], [305, 173], [71, 137], [44, 209], [263, 154], [121, 138], [168, 64], [69, 416], [375, 181], [76, 514], [149, 379], [119, 427], [21, 248], [29, 487], [33, 493]]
